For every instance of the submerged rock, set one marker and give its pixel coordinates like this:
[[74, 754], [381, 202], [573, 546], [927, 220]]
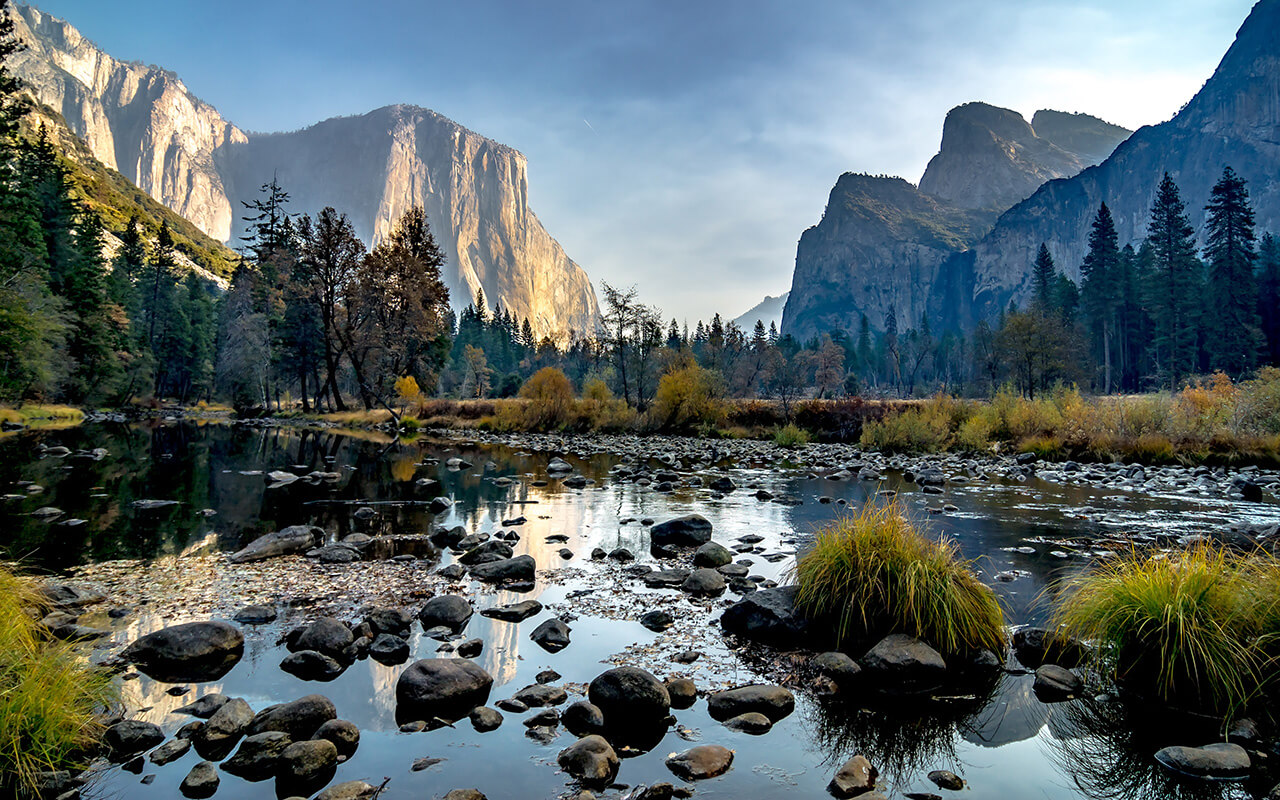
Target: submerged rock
[[1221, 761]]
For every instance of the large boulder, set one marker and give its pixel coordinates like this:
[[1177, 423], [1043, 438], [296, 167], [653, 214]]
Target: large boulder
[[775, 702], [1054, 684], [447, 611], [583, 719], [520, 568], [704, 582], [552, 635], [300, 718], [224, 728], [712, 555], [770, 617], [447, 688], [194, 651], [257, 756], [591, 761], [904, 664], [131, 737], [291, 540], [689, 531], [326, 635], [629, 695], [304, 767]]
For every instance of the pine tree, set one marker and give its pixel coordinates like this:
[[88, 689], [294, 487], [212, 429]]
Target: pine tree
[[1269, 297], [1233, 329], [1042, 281], [1173, 285], [1099, 289]]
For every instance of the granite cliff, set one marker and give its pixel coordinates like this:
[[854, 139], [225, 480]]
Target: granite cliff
[[854, 263], [143, 121]]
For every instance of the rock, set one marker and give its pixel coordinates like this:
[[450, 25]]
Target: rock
[[538, 695], [463, 794], [444, 688], [583, 718], [546, 718], [839, 667], [552, 635], [191, 652], [255, 615], [492, 550], [517, 612], [769, 617], [1221, 761], [1054, 684], [856, 777], [452, 572], [224, 728], [1037, 646], [664, 578], [520, 568], [485, 719], [591, 761], [945, 779], [901, 663], [344, 735], [701, 762], [389, 649], [308, 665], [335, 554], [704, 582], [752, 722], [305, 764], [257, 756], [689, 531], [326, 635], [439, 505], [171, 750], [446, 610], [547, 676], [70, 595], [291, 540], [621, 554], [774, 702], [300, 718], [202, 781], [656, 621], [682, 691], [724, 485], [629, 695], [395, 621], [469, 648], [712, 555], [350, 790]]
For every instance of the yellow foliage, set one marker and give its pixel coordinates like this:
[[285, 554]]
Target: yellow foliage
[[689, 393], [407, 389], [550, 396]]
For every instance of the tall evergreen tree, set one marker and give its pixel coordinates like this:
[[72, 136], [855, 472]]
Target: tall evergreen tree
[[1042, 281], [1233, 329], [1099, 289], [1173, 285], [1269, 297]]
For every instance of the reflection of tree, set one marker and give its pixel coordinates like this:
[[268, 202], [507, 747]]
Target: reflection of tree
[[1105, 747], [901, 737]]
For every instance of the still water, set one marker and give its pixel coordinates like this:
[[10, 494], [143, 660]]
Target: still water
[[1023, 536]]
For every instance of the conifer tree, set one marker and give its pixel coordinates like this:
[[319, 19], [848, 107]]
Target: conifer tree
[[1269, 297], [1173, 285], [1233, 335], [1042, 281], [1099, 289]]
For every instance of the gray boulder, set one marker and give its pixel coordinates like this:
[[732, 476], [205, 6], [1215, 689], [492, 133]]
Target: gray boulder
[[326, 635], [901, 663], [257, 756], [1221, 761], [516, 612], [447, 611], [299, 718], [591, 761], [704, 582], [131, 737], [1054, 684], [289, 541], [448, 688], [629, 695], [768, 616], [775, 702], [688, 531], [552, 635], [202, 781], [701, 762], [389, 649], [712, 555], [194, 651], [520, 568]]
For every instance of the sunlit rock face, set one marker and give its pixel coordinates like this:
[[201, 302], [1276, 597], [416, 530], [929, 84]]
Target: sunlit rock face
[[142, 121], [961, 246]]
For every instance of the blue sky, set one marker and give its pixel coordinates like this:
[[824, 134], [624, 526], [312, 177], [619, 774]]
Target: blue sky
[[679, 146]]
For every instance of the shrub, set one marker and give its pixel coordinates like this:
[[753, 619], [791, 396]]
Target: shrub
[[550, 396], [875, 574], [1193, 627], [49, 697], [923, 429], [1047, 447], [790, 435], [687, 394]]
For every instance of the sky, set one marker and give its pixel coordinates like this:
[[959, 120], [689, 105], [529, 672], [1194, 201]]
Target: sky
[[680, 146]]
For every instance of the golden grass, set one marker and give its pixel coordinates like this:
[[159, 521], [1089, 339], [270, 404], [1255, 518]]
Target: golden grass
[[875, 573], [49, 697]]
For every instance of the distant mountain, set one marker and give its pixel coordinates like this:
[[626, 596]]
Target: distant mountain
[[768, 311], [142, 121], [882, 243], [853, 262]]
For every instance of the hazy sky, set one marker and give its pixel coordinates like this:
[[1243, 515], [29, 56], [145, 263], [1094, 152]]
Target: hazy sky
[[677, 145]]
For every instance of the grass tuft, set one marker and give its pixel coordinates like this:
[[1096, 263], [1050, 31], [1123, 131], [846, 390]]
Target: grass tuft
[[790, 435], [874, 574], [49, 698], [1195, 627]]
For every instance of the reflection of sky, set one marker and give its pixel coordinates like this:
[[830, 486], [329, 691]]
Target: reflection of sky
[[999, 749]]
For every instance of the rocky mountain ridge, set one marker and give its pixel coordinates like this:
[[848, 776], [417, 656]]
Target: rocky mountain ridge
[[844, 269], [144, 122]]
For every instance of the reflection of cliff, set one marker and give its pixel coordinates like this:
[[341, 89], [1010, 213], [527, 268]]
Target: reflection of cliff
[[146, 699], [382, 680], [1014, 714]]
